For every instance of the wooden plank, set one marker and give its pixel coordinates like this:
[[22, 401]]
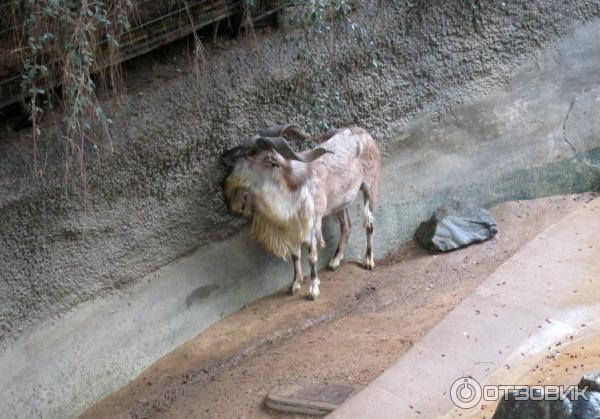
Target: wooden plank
[[310, 399]]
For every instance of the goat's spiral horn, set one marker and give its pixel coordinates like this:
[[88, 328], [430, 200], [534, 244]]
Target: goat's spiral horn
[[282, 147]]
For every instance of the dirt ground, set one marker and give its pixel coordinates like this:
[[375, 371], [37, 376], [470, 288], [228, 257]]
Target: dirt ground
[[363, 322]]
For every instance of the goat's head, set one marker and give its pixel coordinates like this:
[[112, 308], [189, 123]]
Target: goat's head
[[262, 163]]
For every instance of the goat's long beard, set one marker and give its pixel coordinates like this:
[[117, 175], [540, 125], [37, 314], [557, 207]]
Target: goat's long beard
[[281, 220], [280, 239], [282, 223]]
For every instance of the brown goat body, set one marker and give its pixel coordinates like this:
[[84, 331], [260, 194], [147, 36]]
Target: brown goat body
[[287, 194]]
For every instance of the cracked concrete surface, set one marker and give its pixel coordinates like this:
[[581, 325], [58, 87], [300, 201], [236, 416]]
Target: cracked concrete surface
[[565, 136], [363, 323], [540, 302]]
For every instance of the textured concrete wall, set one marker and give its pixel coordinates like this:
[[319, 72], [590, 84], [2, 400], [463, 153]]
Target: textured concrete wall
[[504, 109]]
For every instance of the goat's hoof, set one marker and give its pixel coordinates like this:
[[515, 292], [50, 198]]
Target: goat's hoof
[[313, 291], [294, 288], [333, 265], [369, 264]]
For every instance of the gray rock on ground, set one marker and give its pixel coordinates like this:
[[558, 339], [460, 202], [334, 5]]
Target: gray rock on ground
[[513, 408], [591, 381], [456, 225], [587, 407]]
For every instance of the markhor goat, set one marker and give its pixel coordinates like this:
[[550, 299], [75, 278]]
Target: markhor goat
[[287, 194]]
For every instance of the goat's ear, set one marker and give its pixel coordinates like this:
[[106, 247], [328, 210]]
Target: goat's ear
[[295, 132], [315, 153]]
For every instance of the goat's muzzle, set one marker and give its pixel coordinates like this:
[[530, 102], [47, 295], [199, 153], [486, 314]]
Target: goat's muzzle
[[238, 199]]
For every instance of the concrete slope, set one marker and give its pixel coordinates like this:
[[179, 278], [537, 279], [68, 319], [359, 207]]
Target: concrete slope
[[371, 318], [543, 295]]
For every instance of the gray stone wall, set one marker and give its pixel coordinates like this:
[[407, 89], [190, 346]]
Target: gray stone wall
[[502, 107], [157, 196]]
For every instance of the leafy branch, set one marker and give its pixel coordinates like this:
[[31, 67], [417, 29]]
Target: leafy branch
[[67, 46], [324, 24]]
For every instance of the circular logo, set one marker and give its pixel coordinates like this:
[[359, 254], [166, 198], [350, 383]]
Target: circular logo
[[465, 393]]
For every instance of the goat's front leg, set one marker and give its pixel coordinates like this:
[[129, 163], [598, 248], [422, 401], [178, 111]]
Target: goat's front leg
[[297, 282], [313, 291]]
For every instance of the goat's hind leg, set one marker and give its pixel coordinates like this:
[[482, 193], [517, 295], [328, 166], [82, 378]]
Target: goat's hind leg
[[313, 291], [368, 222], [345, 226], [297, 282]]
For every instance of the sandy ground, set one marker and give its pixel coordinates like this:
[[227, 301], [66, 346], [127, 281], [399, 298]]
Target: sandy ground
[[363, 323]]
